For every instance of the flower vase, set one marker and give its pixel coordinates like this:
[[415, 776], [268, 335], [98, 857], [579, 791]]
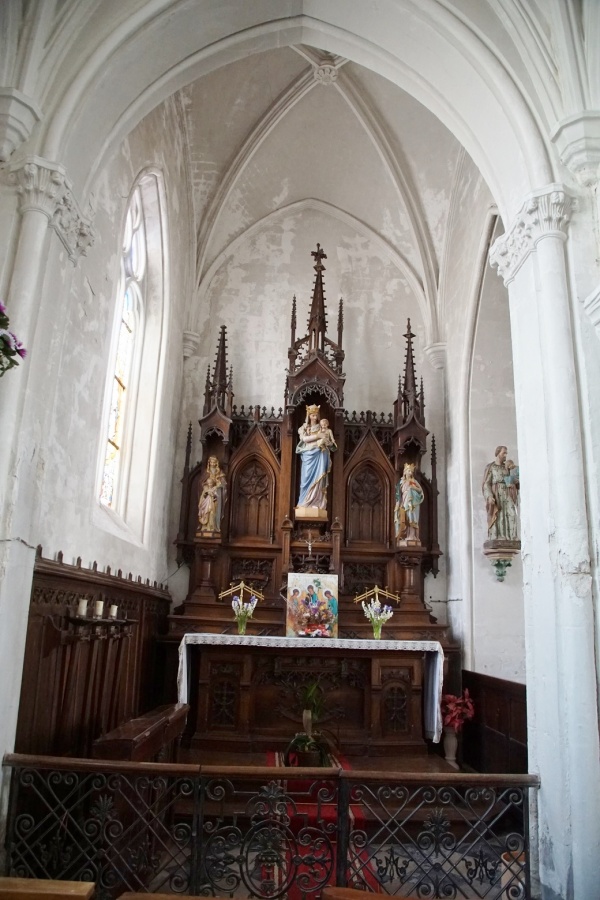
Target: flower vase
[[377, 626], [241, 624], [307, 721], [450, 746]]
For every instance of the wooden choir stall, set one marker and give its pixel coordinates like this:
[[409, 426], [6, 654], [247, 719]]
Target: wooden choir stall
[[309, 506]]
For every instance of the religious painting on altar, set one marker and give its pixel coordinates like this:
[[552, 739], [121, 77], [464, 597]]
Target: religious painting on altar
[[312, 606]]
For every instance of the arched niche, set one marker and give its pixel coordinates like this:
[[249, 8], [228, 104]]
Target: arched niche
[[368, 505], [252, 499], [496, 632]]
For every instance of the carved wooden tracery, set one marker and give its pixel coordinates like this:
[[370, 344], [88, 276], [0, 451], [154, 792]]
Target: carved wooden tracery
[[252, 501], [367, 506]]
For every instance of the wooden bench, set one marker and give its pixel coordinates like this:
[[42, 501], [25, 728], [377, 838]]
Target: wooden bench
[[44, 889], [151, 736], [130, 896]]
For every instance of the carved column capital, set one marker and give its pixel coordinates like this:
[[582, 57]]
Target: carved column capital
[[44, 187], [18, 115], [191, 342], [577, 139], [436, 354], [545, 213]]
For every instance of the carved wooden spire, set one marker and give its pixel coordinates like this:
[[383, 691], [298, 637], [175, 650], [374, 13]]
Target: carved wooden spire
[[410, 435], [220, 375], [293, 324], [316, 356], [410, 381], [340, 323], [317, 322], [188, 451], [218, 392]]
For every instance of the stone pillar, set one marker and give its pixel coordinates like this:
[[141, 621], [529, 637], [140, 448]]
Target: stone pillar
[[47, 203], [559, 615]]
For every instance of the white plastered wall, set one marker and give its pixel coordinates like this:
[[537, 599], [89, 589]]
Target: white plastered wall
[[77, 358]]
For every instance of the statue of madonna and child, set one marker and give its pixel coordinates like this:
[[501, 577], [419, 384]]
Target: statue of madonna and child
[[212, 498], [315, 447]]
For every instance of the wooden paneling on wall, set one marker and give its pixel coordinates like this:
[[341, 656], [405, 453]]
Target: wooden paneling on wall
[[81, 678], [496, 739]]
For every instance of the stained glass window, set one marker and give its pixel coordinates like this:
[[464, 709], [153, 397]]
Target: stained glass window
[[128, 338]]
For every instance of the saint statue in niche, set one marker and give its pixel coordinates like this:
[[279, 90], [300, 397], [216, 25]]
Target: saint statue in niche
[[212, 498], [315, 447], [409, 496], [501, 492]]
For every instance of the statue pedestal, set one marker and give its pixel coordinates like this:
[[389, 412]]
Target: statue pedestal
[[310, 512], [500, 553]]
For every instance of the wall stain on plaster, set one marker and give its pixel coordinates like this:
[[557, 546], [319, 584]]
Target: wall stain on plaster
[[568, 566], [17, 540]]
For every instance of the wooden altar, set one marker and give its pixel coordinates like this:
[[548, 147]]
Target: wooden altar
[[239, 520], [245, 692]]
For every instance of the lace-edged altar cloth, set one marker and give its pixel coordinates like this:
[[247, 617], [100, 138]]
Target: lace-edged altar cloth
[[433, 675]]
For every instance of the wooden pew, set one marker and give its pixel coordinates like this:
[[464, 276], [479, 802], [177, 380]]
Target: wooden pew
[[148, 738], [44, 889], [130, 896]]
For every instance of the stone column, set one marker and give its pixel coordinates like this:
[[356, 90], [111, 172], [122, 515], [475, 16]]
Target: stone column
[[47, 203], [559, 616]]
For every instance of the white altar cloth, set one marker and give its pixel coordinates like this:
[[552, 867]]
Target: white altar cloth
[[434, 663]]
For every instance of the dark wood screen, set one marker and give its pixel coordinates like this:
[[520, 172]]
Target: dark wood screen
[[496, 739], [83, 677]]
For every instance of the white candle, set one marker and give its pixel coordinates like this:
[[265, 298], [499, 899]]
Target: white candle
[[82, 608], [99, 609], [113, 611]]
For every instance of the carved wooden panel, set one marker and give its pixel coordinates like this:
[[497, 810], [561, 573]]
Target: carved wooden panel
[[224, 694], [395, 710], [358, 577], [252, 504], [80, 678], [252, 697], [366, 506]]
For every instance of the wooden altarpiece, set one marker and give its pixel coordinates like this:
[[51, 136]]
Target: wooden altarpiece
[[260, 536]]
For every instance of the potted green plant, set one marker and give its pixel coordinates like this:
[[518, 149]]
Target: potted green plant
[[307, 750], [312, 699], [309, 747]]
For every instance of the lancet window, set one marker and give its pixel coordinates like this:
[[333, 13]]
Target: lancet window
[[129, 329], [135, 368]]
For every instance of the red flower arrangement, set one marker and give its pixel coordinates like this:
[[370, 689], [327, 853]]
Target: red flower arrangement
[[457, 710]]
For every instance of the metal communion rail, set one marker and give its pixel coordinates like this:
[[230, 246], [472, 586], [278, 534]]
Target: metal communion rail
[[267, 832]]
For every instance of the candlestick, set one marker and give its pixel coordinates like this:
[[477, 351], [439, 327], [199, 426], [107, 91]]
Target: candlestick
[[98, 609], [113, 610], [82, 608]]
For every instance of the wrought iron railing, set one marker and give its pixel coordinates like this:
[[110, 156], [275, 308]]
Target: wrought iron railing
[[266, 832]]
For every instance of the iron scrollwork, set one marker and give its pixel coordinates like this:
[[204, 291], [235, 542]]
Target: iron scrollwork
[[212, 835]]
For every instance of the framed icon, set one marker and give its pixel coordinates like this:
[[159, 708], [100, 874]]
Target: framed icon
[[312, 606]]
